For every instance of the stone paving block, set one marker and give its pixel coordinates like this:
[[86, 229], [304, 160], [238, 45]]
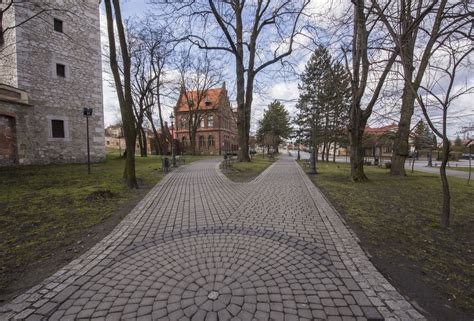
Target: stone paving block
[[200, 247]]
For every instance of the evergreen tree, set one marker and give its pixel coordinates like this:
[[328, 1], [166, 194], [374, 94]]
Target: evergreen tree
[[423, 137], [324, 102], [274, 126]]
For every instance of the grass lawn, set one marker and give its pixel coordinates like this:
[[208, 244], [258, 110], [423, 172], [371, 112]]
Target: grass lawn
[[462, 169], [46, 211], [398, 219], [245, 172]]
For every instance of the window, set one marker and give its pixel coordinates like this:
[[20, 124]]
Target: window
[[210, 141], [61, 70], [57, 128], [202, 143], [201, 123], [210, 121], [183, 121], [184, 141], [58, 25]]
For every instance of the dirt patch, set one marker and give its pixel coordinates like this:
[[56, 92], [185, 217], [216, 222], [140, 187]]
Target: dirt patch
[[100, 195], [25, 277]]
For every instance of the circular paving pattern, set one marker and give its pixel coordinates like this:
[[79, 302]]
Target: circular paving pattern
[[216, 276]]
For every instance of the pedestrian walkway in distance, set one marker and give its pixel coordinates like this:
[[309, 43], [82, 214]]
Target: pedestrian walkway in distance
[[200, 247], [420, 166]]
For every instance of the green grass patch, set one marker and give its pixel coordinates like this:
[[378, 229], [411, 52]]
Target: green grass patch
[[461, 169], [44, 208], [247, 171], [400, 218]]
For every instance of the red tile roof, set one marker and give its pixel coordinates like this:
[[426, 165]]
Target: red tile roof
[[213, 95], [380, 130]]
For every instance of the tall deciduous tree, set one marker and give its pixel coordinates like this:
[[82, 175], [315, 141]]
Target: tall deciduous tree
[[406, 22], [256, 33], [436, 96], [122, 85], [362, 62]]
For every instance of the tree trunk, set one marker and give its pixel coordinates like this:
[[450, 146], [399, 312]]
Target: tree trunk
[[356, 133], [192, 142], [156, 140], [334, 154], [144, 152], [140, 142], [446, 212], [323, 153], [400, 145], [123, 90], [327, 152]]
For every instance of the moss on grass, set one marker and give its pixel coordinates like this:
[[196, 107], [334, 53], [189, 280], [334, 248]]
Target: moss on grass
[[400, 217]]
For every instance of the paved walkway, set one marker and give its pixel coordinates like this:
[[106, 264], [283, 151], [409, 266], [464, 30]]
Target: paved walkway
[[200, 247], [420, 166]]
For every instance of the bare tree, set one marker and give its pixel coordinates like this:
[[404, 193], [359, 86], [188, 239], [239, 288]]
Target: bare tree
[[436, 96], [257, 34], [361, 68], [122, 86], [406, 21], [160, 50], [198, 74]]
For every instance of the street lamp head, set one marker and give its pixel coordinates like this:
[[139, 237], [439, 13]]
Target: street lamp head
[[87, 111]]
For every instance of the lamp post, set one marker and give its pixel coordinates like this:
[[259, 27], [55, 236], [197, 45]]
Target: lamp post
[[313, 150], [173, 145], [87, 112]]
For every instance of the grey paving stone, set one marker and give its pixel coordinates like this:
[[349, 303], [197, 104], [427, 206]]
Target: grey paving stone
[[271, 249]]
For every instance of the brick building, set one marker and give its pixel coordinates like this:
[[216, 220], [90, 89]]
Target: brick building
[[50, 69], [217, 132]]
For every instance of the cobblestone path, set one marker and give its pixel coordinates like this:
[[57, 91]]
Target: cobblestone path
[[200, 247]]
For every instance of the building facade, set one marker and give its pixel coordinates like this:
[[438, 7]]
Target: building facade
[[217, 131], [50, 69]]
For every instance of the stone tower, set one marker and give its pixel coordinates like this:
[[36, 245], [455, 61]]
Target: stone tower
[[50, 69]]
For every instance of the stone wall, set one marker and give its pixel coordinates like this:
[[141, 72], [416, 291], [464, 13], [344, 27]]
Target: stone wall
[[23, 118], [39, 48], [8, 74]]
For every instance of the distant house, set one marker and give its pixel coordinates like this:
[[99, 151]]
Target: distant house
[[378, 141], [217, 132], [114, 139]]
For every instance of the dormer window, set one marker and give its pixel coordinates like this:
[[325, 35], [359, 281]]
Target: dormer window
[[58, 25], [208, 102], [190, 102]]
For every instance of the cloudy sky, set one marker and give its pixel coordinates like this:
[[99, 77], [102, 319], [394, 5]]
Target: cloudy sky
[[284, 86]]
